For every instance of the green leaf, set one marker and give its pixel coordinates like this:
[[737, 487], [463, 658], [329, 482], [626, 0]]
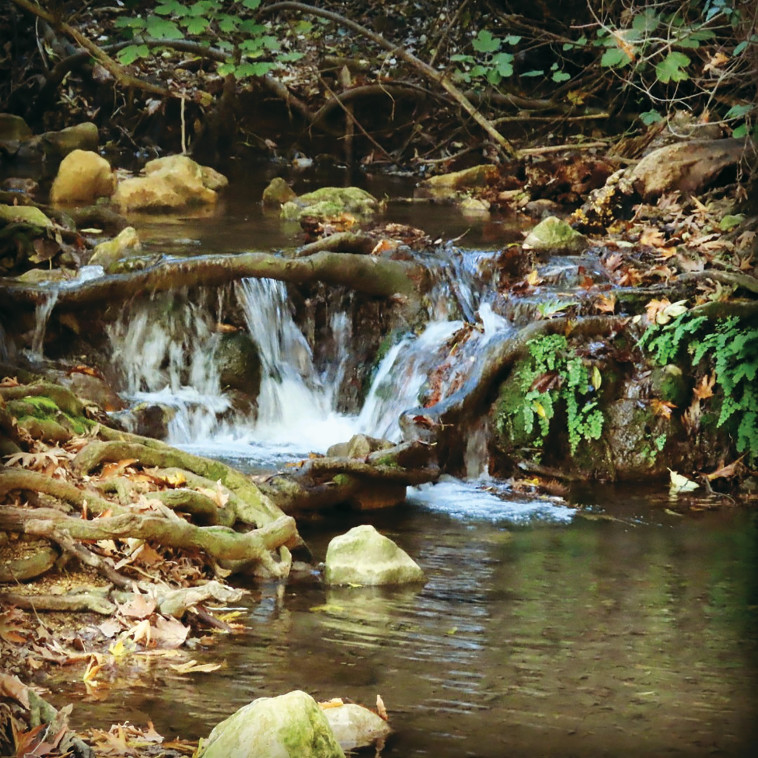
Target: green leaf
[[731, 221], [484, 42], [196, 25], [646, 22], [130, 23], [512, 39], [251, 4], [503, 63], [250, 26], [738, 111], [614, 56], [253, 69], [740, 48], [201, 7], [289, 57], [650, 117], [462, 58], [131, 53], [740, 131], [172, 8], [561, 76], [162, 29], [671, 68], [534, 72], [227, 23]]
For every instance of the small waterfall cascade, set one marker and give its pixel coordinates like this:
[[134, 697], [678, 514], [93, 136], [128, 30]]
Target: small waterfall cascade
[[413, 362], [296, 402], [41, 317], [163, 349]]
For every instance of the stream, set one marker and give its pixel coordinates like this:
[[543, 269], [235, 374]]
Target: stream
[[603, 625]]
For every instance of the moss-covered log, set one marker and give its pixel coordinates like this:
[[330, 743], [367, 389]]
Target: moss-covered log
[[380, 277]]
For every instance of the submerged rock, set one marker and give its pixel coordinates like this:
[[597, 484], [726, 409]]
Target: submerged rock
[[175, 181], [288, 726], [277, 193], [555, 236], [330, 202], [82, 177], [24, 214], [364, 557]]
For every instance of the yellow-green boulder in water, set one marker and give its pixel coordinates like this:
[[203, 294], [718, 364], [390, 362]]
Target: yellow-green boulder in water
[[173, 182], [331, 202], [288, 726], [366, 558], [450, 185], [82, 177], [124, 245], [277, 193]]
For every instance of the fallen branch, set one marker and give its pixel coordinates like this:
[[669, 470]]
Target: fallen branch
[[430, 73], [74, 603]]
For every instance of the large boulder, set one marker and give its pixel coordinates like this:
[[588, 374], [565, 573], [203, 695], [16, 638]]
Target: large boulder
[[555, 236], [288, 726], [364, 557], [175, 181], [685, 166], [82, 177], [331, 202]]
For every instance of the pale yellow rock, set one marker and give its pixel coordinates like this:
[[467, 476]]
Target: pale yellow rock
[[125, 244], [175, 181], [82, 177]]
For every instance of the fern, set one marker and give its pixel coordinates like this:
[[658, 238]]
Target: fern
[[729, 348]]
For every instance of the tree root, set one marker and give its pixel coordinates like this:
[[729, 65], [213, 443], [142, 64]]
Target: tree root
[[73, 603], [380, 277]]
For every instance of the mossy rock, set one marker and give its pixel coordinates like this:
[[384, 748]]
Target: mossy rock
[[28, 215], [331, 202], [555, 236], [288, 726], [239, 363], [671, 385]]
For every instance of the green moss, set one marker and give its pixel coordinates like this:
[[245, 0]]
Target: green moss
[[342, 480]]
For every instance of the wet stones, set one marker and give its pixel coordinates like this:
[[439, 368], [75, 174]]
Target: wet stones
[[82, 177]]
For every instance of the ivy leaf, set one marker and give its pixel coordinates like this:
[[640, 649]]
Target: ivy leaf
[[615, 56], [172, 8], [484, 42], [534, 72], [503, 63], [561, 76], [131, 53], [196, 25], [650, 117], [512, 39], [251, 4], [671, 68], [162, 29], [253, 69]]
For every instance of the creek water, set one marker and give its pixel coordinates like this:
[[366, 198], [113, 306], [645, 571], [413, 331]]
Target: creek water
[[545, 629]]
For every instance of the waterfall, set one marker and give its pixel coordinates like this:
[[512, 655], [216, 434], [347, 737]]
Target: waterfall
[[296, 403], [41, 316], [163, 350]]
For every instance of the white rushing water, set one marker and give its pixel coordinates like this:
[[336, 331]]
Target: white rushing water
[[165, 347]]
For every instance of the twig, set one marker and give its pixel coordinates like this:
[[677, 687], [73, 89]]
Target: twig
[[438, 77]]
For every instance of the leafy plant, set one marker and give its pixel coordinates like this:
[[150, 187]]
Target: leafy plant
[[555, 378], [729, 347], [252, 49]]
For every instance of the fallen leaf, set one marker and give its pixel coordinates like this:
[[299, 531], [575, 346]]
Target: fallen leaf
[[193, 667], [662, 408], [380, 709], [11, 686], [139, 607], [704, 388], [681, 483], [725, 472], [606, 303]]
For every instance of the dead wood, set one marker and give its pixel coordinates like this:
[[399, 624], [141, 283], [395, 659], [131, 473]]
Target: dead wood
[[74, 603], [438, 77]]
